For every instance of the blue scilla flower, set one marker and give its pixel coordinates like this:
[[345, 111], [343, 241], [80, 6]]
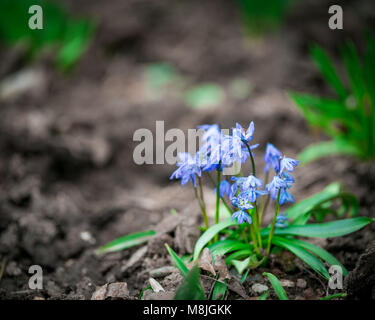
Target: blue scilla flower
[[212, 132], [224, 188], [241, 217], [188, 169], [244, 135], [241, 201], [272, 158], [281, 220], [274, 186], [285, 196], [288, 163], [248, 185], [288, 179]]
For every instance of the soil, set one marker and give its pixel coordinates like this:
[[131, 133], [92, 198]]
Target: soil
[[68, 180]]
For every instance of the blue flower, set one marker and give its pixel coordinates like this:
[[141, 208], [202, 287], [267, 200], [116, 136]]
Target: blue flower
[[285, 197], [288, 164], [241, 201], [244, 135], [281, 220], [187, 169], [224, 188], [212, 132], [241, 217], [288, 179], [274, 186], [272, 158], [248, 185]]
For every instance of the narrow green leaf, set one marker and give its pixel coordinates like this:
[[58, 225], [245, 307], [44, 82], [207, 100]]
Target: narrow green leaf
[[209, 234], [238, 255], [179, 263], [304, 255], [321, 253], [327, 148], [264, 296], [191, 288], [336, 295], [241, 265], [127, 241], [306, 205], [280, 292], [328, 70], [223, 247], [323, 230], [219, 291]]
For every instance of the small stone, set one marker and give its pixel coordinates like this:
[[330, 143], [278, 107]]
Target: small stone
[[287, 283], [117, 290], [259, 288], [301, 283]]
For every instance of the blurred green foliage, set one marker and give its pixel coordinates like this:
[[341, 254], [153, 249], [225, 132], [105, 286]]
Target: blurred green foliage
[[205, 95], [261, 16], [68, 35], [349, 119]]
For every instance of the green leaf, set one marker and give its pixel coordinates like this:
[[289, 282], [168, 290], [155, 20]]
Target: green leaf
[[191, 288], [238, 255], [306, 205], [321, 253], [264, 296], [280, 292], [336, 295], [143, 291], [241, 265], [209, 234], [327, 148], [179, 263], [127, 241], [323, 230], [328, 70], [304, 255], [219, 291], [204, 96], [223, 247]]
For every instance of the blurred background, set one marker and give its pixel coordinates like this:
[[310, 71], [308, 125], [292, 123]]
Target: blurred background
[[72, 95]]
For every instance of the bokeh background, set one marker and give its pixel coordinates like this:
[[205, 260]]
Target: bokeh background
[[72, 95]]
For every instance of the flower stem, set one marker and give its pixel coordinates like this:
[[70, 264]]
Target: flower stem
[[204, 213], [253, 238], [272, 230], [264, 200], [217, 215], [230, 210], [252, 159]]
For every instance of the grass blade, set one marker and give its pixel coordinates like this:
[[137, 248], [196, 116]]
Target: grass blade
[[323, 230], [280, 292], [209, 234], [321, 253], [127, 241], [177, 260], [304, 255], [219, 291]]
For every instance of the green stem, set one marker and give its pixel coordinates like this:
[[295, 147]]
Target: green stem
[[257, 226], [222, 198], [277, 207], [263, 201], [204, 213], [253, 238], [217, 215], [252, 159]]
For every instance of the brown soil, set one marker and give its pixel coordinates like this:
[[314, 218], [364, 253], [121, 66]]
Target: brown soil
[[68, 181]]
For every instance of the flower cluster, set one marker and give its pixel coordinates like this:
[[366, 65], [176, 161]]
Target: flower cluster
[[220, 151], [282, 181]]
